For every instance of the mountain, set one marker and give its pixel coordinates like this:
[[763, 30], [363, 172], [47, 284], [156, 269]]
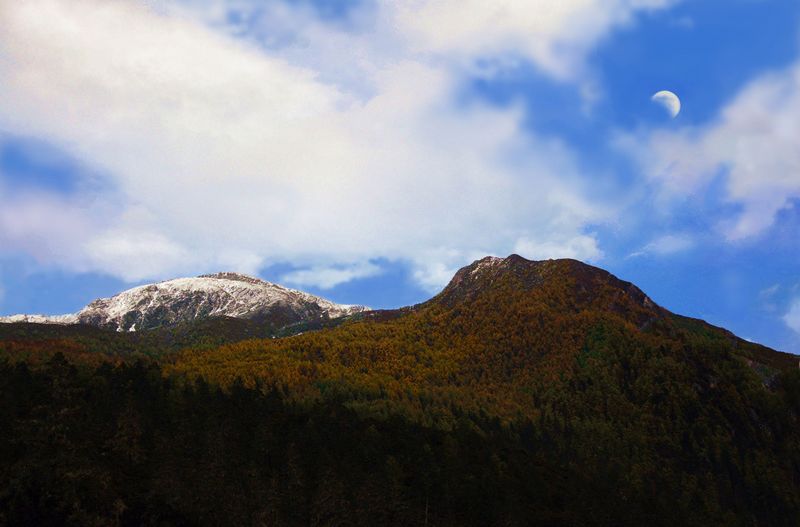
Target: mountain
[[525, 393], [589, 287], [624, 412], [507, 322], [188, 299], [570, 287]]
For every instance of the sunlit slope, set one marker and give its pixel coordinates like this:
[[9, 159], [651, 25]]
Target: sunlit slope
[[502, 337]]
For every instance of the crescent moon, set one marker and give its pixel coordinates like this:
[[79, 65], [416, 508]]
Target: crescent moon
[[668, 100]]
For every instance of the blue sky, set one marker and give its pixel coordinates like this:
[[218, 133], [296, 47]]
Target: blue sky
[[366, 150]]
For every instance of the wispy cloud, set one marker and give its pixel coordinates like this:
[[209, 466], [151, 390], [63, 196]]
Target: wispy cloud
[[768, 297], [792, 317], [666, 245], [753, 144], [329, 277]]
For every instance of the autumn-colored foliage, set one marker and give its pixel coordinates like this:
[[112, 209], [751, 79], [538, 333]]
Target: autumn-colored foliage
[[494, 342], [526, 393]]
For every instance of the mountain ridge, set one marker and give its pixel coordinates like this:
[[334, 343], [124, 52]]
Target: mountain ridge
[[510, 322], [592, 287], [224, 294], [291, 311], [525, 393]]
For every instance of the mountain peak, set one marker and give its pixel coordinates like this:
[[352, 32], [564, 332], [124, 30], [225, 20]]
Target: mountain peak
[[572, 284], [223, 294], [179, 300]]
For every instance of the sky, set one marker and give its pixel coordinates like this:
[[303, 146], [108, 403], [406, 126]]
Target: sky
[[364, 150]]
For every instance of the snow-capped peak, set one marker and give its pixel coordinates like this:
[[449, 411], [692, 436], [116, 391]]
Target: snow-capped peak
[[186, 299]]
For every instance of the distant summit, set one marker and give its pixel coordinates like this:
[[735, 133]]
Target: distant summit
[[188, 299], [580, 286]]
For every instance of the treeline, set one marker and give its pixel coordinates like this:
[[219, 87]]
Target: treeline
[[126, 445]]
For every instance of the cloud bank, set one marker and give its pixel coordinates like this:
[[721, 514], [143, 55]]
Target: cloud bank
[[225, 145]]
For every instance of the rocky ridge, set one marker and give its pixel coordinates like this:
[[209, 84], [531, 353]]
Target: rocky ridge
[[185, 299]]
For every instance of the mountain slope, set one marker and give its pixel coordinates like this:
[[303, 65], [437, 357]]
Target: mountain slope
[[571, 287], [659, 415], [188, 299], [508, 323], [526, 393]]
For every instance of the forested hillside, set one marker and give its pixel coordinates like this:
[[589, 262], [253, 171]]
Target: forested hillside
[[526, 393]]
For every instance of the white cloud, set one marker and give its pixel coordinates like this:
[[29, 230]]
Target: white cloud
[[432, 275], [753, 143], [667, 245], [555, 34], [329, 277], [324, 149], [581, 247], [136, 255], [49, 228], [434, 267], [792, 317]]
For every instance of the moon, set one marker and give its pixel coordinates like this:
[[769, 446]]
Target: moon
[[669, 101]]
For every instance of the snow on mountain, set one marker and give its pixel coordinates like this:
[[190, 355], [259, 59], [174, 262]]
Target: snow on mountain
[[185, 299], [42, 319]]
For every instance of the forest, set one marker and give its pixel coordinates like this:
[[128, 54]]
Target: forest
[[529, 396]]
